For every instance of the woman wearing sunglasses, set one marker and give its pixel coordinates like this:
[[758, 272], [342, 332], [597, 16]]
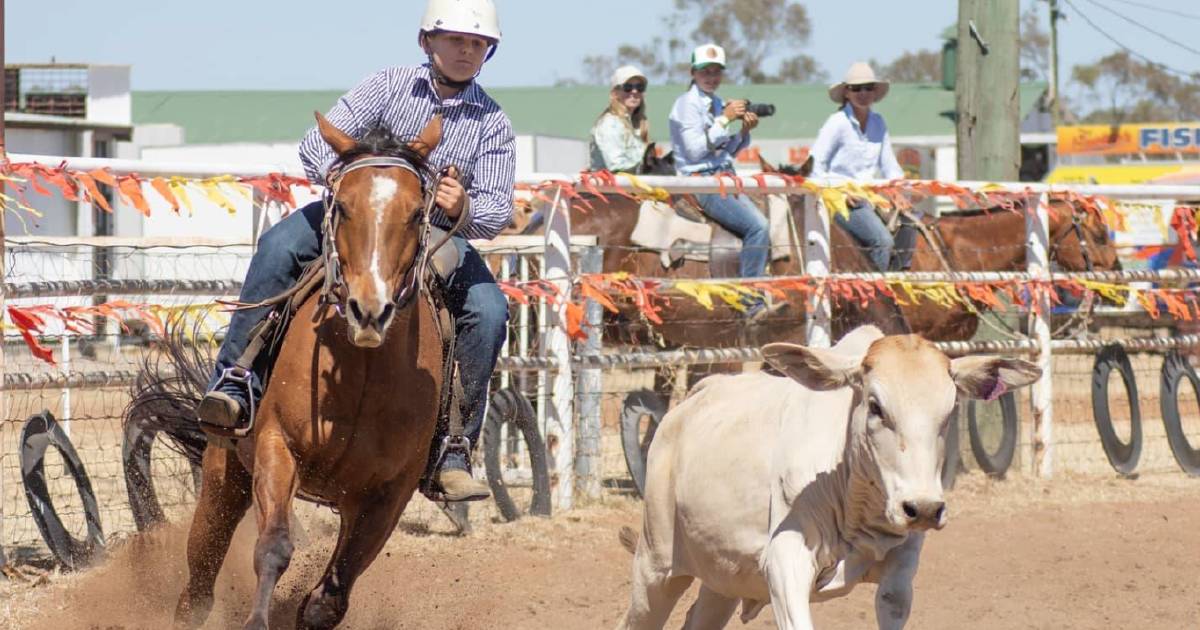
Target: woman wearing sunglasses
[[854, 143], [621, 132]]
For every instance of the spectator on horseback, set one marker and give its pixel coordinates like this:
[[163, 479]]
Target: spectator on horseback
[[621, 133], [477, 159], [854, 143], [705, 141]]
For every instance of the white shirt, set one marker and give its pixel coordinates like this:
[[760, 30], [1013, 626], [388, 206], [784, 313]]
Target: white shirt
[[843, 148]]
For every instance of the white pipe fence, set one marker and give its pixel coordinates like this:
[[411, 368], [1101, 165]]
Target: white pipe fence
[[558, 359]]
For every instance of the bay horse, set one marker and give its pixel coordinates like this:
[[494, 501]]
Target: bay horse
[[351, 407], [979, 240], [994, 240]]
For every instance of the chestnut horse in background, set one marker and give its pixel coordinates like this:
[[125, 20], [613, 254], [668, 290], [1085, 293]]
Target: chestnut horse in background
[[349, 413]]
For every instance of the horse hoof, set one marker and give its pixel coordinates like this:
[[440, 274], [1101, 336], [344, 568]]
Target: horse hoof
[[319, 614], [192, 612]]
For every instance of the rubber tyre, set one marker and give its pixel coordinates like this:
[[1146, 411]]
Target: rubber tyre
[[1175, 368], [139, 483], [995, 464], [509, 406], [952, 462], [1122, 456], [638, 405], [40, 432]]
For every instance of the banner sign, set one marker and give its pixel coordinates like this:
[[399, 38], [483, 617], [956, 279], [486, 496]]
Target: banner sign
[[1150, 139]]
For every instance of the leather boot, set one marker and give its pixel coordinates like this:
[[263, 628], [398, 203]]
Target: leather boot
[[220, 409], [458, 485]]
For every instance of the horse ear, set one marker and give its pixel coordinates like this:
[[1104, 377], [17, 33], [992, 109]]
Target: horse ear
[[429, 138], [334, 137], [807, 167]]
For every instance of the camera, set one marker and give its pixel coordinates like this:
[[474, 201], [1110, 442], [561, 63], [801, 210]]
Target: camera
[[762, 110]]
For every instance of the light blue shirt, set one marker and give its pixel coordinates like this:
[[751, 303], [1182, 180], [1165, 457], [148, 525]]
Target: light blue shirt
[[843, 148], [699, 143], [615, 146]]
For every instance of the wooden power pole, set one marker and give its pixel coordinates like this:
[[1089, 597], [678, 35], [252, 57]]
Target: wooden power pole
[[1055, 16], [987, 97]]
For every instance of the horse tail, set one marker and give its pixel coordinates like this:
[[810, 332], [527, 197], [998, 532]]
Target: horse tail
[[168, 388]]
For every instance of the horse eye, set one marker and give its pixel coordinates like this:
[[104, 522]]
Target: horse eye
[[874, 409]]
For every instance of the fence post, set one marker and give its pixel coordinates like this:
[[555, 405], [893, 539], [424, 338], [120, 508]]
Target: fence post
[[816, 265], [562, 390], [1037, 245], [589, 469]]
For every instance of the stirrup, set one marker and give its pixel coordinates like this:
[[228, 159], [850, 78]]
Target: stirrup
[[238, 376], [430, 486]]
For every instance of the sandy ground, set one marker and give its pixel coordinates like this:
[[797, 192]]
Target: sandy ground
[[1086, 552]]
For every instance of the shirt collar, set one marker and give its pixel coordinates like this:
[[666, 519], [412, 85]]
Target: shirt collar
[[848, 109], [472, 95]]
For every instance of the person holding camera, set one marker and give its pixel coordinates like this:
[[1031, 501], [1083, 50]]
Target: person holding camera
[[706, 139], [854, 143], [622, 131]]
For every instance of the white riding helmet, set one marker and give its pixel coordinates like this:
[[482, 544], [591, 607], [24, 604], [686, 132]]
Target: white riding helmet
[[474, 17]]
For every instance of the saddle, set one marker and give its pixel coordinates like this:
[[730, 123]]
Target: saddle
[[682, 232], [267, 337]]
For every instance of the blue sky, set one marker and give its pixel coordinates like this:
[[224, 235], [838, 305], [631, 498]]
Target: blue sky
[[303, 44]]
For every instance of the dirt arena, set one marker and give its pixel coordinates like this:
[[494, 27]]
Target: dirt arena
[[1080, 552]]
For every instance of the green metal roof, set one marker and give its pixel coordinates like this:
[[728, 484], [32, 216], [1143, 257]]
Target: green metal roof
[[218, 117]]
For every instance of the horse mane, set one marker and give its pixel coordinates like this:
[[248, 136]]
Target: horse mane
[[381, 140]]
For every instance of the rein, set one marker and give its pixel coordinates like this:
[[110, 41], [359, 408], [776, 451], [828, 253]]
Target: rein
[[333, 290]]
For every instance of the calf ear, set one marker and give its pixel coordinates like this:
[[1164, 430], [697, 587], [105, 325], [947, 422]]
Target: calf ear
[[816, 368], [987, 378]]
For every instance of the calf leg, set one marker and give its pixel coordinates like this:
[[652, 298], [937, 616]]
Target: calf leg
[[366, 526], [224, 497], [711, 611], [653, 593], [893, 599], [274, 487], [790, 570]]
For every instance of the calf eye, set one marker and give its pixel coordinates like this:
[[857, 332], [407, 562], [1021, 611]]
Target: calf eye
[[874, 408]]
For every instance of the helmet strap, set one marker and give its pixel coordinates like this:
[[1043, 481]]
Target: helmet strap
[[441, 79]]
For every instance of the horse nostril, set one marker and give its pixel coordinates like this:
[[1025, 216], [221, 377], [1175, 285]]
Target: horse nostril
[[386, 312], [355, 310], [910, 510], [941, 511]]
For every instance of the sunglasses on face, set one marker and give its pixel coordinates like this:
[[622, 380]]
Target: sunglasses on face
[[630, 88], [865, 87]]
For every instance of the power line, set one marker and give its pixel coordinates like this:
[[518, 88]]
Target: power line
[[1151, 7], [1146, 28], [1127, 49]]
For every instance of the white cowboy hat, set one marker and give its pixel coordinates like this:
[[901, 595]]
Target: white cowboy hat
[[624, 74], [707, 55], [860, 73]]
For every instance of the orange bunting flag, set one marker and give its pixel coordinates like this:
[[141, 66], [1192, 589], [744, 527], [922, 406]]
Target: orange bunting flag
[[131, 189]]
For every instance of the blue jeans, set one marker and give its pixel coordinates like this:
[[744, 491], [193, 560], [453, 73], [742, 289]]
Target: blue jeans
[[868, 229], [479, 308], [740, 216]]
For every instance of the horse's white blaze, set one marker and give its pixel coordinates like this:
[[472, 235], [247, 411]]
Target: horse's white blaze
[[382, 191]]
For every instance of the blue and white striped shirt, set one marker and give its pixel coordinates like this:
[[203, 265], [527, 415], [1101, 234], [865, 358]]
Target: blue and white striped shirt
[[477, 137]]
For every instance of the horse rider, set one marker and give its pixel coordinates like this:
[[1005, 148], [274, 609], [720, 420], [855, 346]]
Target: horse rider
[[622, 131], [705, 142], [458, 37], [854, 143]]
